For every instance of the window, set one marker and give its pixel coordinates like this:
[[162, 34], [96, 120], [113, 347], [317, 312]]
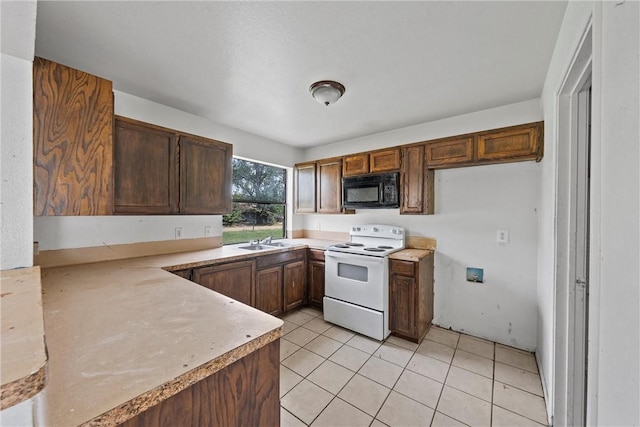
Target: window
[[259, 203]]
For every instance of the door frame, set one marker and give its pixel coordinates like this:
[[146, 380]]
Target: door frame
[[571, 394]]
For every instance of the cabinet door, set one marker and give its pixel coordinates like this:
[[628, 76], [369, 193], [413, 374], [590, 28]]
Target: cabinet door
[[235, 280], [329, 186], [521, 142], [402, 305], [294, 285], [305, 182], [450, 152], [416, 182], [145, 168], [358, 164], [205, 176], [269, 290], [316, 283], [72, 141], [385, 161]]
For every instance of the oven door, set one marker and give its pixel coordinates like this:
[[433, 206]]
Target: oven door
[[357, 279]]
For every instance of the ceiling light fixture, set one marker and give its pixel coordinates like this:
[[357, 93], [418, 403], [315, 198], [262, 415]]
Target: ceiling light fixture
[[326, 91]]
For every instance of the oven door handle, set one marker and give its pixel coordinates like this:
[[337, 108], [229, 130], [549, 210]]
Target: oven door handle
[[358, 259]]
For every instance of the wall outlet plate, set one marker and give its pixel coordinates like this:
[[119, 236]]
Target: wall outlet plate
[[208, 231], [178, 233], [502, 236], [475, 275]]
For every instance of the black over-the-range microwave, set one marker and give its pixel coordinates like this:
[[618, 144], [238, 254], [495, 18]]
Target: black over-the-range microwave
[[379, 190]]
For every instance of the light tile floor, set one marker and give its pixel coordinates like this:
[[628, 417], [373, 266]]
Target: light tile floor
[[330, 376]]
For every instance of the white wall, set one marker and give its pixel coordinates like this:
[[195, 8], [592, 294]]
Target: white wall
[[471, 205], [614, 326], [16, 164], [74, 232]]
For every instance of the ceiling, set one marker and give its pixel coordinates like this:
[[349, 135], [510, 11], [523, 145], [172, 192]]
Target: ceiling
[[249, 65]]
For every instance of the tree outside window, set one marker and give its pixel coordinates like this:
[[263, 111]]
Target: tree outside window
[[259, 203]]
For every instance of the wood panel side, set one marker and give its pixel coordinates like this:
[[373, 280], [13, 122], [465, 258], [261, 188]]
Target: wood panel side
[[246, 393], [72, 136]]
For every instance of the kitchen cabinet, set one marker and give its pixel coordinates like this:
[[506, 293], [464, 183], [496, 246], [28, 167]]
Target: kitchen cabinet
[[244, 393], [234, 279], [318, 186], [371, 162], [305, 187], [294, 285], [315, 277], [281, 281], [416, 182], [72, 141], [510, 144], [205, 176], [163, 171], [145, 168], [411, 297], [329, 186], [269, 290], [450, 152], [516, 142]]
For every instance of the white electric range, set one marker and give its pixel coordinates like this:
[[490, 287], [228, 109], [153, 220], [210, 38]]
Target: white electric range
[[357, 279]]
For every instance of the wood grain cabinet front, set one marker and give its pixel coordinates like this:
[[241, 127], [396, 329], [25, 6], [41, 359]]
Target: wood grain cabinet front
[[513, 143], [450, 152], [294, 285], [162, 171], [145, 169], [386, 160], [329, 186], [305, 187], [269, 290], [72, 141], [411, 297], [416, 182], [315, 277], [234, 279]]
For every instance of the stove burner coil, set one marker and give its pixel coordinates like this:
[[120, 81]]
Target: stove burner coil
[[385, 247], [354, 244], [374, 249]]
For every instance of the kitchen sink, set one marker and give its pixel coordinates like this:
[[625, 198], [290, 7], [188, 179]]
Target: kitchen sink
[[278, 244], [255, 247]]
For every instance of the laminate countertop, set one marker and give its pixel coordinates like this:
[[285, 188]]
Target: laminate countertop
[[124, 335], [23, 353]]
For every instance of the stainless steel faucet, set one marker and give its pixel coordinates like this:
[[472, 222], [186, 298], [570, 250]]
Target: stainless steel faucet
[[266, 240]]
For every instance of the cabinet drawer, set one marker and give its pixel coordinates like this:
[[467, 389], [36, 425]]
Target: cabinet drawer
[[449, 153], [316, 255], [280, 258], [406, 268]]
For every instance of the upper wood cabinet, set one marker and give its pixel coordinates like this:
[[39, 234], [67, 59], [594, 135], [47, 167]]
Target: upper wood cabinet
[[416, 182], [371, 162], [329, 186], [305, 187], [205, 176], [511, 144], [450, 152], [145, 169], [516, 142], [162, 171], [72, 141]]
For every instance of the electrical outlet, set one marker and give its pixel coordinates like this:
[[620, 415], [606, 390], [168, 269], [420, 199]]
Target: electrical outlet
[[208, 231], [318, 226], [36, 248], [502, 236], [178, 233]]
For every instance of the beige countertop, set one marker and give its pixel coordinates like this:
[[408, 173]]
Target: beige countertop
[[412, 255], [23, 352], [125, 335]]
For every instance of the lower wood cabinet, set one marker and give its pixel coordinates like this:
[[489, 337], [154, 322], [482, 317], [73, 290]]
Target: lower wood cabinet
[[315, 277], [234, 279], [411, 297], [245, 393], [294, 285], [269, 290]]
